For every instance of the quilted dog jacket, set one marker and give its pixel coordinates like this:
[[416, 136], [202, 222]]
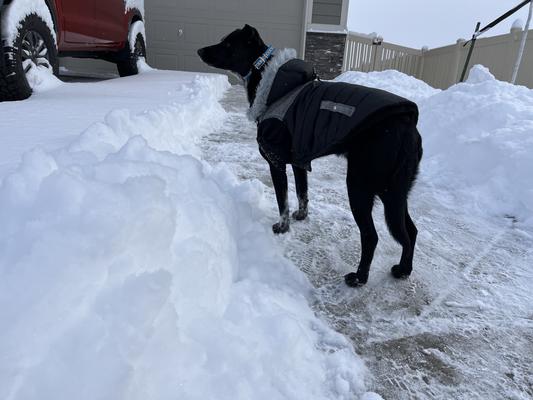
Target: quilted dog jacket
[[300, 118]]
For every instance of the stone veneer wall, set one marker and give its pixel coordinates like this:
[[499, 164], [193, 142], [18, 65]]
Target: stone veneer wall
[[326, 52]]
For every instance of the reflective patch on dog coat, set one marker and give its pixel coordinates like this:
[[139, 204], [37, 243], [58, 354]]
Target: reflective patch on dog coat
[[343, 109]]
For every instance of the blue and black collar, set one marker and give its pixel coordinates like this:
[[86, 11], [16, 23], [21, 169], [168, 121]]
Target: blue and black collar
[[260, 62]]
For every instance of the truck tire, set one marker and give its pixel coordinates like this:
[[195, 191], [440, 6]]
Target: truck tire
[[34, 46], [127, 63]]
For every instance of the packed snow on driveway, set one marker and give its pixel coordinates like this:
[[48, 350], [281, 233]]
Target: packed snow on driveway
[[137, 259]]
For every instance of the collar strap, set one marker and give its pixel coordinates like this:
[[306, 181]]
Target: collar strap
[[260, 62]]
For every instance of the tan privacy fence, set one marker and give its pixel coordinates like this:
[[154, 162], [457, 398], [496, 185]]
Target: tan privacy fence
[[441, 67]]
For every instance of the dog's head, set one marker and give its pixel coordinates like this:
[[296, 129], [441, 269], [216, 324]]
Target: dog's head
[[236, 52]]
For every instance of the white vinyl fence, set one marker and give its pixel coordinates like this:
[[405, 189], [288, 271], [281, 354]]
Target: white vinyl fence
[[367, 53], [441, 67]]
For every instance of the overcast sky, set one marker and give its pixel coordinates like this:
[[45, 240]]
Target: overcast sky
[[432, 23]]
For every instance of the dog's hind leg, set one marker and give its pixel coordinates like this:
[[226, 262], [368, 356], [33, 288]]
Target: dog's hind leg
[[411, 229], [361, 204], [300, 178], [402, 229]]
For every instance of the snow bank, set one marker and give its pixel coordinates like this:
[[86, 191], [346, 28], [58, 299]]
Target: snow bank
[[131, 270], [478, 139], [391, 81], [17, 11]]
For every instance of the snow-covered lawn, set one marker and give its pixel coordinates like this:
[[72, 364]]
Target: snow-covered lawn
[[137, 260]]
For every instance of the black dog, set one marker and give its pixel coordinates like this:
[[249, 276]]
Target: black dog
[[301, 118]]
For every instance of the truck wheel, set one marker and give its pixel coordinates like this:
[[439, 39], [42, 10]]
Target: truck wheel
[[127, 65], [33, 48]]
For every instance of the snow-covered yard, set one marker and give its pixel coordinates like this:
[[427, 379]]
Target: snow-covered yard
[[137, 260]]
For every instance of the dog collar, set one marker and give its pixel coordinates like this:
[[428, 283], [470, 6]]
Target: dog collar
[[260, 62]]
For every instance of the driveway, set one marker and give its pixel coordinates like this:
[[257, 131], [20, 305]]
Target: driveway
[[461, 327]]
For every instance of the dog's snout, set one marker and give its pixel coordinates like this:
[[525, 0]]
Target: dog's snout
[[201, 52]]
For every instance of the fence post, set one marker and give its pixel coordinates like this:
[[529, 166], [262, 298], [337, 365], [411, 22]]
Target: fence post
[[514, 47], [377, 51], [453, 76], [346, 62], [421, 59]]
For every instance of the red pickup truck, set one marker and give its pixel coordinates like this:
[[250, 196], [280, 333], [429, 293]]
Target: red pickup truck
[[35, 33]]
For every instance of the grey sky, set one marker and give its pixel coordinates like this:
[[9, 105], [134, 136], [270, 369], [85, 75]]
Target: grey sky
[[432, 23]]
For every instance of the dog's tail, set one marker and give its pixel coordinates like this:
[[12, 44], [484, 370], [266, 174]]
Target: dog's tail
[[409, 157]]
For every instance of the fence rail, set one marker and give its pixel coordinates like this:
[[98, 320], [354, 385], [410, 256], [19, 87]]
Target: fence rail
[[441, 67]]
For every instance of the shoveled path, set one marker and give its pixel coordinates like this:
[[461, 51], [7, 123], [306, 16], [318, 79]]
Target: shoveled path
[[460, 328]]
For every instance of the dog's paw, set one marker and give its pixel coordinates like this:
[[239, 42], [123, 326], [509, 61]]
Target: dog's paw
[[280, 227], [400, 272], [355, 279], [300, 215]]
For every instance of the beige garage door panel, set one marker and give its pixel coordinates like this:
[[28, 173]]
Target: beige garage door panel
[[177, 28]]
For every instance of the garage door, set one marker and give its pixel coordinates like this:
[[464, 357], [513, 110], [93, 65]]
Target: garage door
[[177, 28]]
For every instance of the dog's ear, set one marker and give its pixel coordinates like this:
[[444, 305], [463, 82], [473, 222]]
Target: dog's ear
[[253, 34]]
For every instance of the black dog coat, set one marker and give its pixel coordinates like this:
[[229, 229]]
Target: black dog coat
[[300, 118]]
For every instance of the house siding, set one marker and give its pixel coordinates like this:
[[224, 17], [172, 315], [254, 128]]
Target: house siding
[[327, 12], [177, 28]]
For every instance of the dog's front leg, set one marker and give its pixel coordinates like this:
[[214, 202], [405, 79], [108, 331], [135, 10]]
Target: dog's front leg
[[300, 178], [279, 179]]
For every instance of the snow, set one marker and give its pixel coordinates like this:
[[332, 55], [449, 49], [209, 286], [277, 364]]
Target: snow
[[52, 119], [42, 79], [391, 81], [136, 28], [135, 4], [132, 269], [478, 139], [17, 11], [137, 259], [460, 327], [143, 66]]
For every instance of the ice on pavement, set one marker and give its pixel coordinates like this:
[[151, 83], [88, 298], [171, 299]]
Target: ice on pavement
[[132, 269]]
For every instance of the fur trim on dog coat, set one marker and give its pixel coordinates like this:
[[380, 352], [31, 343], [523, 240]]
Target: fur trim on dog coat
[[300, 119]]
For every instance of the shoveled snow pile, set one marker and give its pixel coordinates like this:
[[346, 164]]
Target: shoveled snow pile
[[130, 269], [478, 140], [391, 81]]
